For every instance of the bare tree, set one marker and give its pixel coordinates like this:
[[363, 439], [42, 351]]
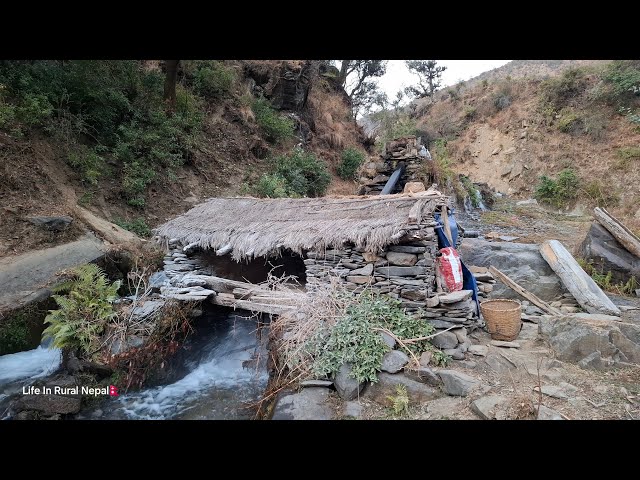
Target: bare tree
[[429, 78]]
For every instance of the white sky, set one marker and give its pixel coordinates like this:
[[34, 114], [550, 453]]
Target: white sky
[[398, 76]]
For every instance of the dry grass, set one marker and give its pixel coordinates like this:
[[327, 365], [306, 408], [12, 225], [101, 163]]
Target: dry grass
[[263, 227]]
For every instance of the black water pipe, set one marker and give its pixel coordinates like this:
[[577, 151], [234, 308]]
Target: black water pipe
[[393, 180]]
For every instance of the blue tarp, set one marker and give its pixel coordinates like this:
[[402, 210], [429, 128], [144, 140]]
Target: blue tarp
[[468, 280]]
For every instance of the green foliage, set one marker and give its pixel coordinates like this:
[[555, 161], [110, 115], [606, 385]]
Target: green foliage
[[88, 163], [569, 122], [399, 401], [440, 359], [352, 158], [84, 309], [213, 79], [559, 191], [276, 127], [557, 92], [443, 173], [298, 174], [353, 339], [137, 226], [472, 191], [605, 280], [624, 78], [14, 334]]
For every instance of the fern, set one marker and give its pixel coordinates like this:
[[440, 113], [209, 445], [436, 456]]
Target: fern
[[84, 309]]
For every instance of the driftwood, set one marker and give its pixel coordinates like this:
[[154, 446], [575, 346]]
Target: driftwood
[[522, 291], [582, 287], [618, 230]]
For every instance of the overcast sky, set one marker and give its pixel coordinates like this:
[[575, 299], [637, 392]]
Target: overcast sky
[[398, 76]]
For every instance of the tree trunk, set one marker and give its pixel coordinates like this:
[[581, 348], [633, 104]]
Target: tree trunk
[[342, 79], [618, 230], [171, 75]]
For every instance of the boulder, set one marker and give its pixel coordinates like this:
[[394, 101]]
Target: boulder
[[386, 386], [456, 383], [348, 387], [485, 407], [445, 340], [309, 404], [49, 404], [608, 255], [402, 259], [591, 340], [394, 361], [55, 224], [521, 262]]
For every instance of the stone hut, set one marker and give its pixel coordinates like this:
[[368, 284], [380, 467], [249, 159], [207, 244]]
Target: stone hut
[[385, 243]]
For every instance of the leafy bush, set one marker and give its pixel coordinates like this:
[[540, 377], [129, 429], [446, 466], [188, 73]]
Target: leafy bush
[[276, 127], [84, 310], [138, 226], [556, 93], [472, 191], [353, 338], [299, 174], [558, 192], [570, 122], [213, 79], [352, 158], [88, 163], [14, 334], [624, 78]]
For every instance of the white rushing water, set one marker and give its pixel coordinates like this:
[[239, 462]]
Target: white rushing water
[[29, 364], [214, 388]]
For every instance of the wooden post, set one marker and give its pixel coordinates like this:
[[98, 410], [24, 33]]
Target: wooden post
[[525, 293], [618, 230]]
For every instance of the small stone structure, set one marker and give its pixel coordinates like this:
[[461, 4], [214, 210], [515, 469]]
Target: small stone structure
[[374, 175]]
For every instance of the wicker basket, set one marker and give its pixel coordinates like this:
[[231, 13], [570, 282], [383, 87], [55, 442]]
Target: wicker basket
[[502, 318]]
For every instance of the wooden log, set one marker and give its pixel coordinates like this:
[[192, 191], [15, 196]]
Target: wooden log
[[618, 230], [524, 292], [582, 287]]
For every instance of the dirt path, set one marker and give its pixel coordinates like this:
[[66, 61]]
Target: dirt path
[[23, 276]]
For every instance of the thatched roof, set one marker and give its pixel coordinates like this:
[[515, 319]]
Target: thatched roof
[[255, 227]]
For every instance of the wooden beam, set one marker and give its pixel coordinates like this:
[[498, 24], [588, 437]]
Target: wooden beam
[[582, 287], [618, 230], [522, 291]]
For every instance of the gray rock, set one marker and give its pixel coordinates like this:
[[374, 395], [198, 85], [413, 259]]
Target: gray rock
[[578, 336], [317, 383], [454, 353], [531, 201], [531, 310], [552, 391], [593, 362], [359, 280], [425, 358], [353, 409], [485, 407], [158, 280], [498, 364], [456, 383], [445, 340], [55, 224], [455, 297], [522, 262], [441, 323], [49, 404], [348, 387], [500, 343], [608, 255], [547, 413], [400, 271], [432, 302], [407, 249], [386, 385], [309, 404], [423, 374], [394, 361], [480, 350], [402, 259], [461, 334], [366, 270], [388, 339], [147, 309]]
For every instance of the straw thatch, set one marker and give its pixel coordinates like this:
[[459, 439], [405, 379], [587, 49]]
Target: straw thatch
[[255, 227]]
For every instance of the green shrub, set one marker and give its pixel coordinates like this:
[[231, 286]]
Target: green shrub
[[88, 163], [624, 78], [213, 79], [472, 191], [558, 192], [569, 122], [298, 174], [276, 127], [352, 158], [84, 310], [138, 226], [14, 334], [557, 92], [353, 338]]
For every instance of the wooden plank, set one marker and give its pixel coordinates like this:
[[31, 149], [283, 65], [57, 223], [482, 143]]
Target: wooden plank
[[522, 291], [618, 230], [582, 287]]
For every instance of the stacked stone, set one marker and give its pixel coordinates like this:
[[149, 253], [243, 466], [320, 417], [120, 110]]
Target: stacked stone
[[376, 174], [484, 280], [181, 267]]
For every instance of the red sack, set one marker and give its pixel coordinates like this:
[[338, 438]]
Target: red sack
[[449, 269]]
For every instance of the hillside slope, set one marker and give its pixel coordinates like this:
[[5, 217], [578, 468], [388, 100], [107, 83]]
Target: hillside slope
[[94, 134]]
